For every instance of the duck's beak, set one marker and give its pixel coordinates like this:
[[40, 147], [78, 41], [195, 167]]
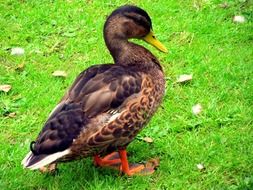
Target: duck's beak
[[151, 39]]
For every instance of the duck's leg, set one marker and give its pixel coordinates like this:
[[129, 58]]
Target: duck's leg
[[129, 169], [111, 160], [135, 169]]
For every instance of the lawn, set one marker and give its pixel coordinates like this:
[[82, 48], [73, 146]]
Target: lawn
[[202, 40]]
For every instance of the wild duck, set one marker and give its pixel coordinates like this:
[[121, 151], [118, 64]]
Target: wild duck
[[108, 104]]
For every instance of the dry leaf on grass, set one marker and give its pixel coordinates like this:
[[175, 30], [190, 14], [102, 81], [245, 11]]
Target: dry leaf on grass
[[153, 163], [147, 139], [17, 51], [20, 67], [184, 78], [150, 166], [196, 109], [12, 115], [59, 74], [5, 88], [224, 5]]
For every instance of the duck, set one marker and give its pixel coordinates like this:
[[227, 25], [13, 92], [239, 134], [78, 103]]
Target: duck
[[108, 104]]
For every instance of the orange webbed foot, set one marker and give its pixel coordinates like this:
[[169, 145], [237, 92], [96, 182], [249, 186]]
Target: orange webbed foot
[[119, 161], [135, 169], [139, 169]]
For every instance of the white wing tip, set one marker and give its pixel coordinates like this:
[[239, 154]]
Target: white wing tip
[[45, 161], [26, 159]]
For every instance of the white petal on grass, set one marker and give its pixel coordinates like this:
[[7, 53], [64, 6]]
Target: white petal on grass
[[200, 166], [17, 51], [5, 88], [184, 78], [59, 74], [196, 109], [239, 19]]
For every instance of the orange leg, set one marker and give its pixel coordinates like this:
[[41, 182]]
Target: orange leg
[[133, 169], [111, 160]]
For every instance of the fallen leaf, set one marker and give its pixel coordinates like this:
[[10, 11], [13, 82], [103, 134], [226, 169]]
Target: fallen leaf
[[224, 5], [184, 78], [17, 51], [12, 115], [148, 139], [196, 109], [201, 167], [59, 74], [20, 67], [239, 19], [153, 163], [5, 88], [150, 166]]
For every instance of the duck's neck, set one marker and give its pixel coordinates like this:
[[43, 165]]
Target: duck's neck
[[128, 53]]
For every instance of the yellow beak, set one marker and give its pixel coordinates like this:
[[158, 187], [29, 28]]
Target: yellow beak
[[151, 39]]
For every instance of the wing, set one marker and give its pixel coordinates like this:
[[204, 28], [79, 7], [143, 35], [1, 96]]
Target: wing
[[108, 89], [96, 90]]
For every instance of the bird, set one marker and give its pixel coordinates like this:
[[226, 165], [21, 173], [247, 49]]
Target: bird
[[108, 104]]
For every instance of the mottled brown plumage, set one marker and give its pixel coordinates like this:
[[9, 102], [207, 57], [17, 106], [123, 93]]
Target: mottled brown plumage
[[108, 104]]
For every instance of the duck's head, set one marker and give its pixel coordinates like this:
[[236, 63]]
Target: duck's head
[[131, 22]]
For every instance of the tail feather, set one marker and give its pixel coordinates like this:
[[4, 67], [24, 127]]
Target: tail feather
[[34, 162], [26, 158]]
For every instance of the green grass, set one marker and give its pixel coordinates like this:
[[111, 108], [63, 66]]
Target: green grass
[[202, 40]]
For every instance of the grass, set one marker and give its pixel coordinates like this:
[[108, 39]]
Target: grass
[[202, 40]]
